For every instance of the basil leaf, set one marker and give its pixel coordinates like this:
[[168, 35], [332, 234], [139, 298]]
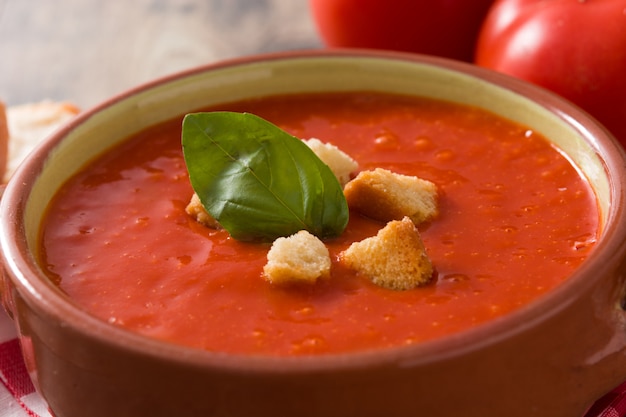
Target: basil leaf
[[258, 181]]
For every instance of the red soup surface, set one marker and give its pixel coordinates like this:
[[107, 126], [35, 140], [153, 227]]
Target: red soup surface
[[516, 218]]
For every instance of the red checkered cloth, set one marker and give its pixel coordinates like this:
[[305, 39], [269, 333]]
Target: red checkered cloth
[[19, 399], [17, 393]]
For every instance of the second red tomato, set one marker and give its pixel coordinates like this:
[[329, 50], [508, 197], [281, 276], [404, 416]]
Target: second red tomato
[[577, 49], [447, 28]]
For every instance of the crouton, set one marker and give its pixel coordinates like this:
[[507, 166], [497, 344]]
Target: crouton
[[395, 258], [384, 195], [299, 258], [196, 210], [340, 163]]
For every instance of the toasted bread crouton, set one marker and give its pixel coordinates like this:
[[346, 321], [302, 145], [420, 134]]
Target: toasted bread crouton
[[339, 162], [384, 195], [299, 258], [395, 258], [196, 210]]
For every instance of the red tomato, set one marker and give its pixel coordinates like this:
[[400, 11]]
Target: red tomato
[[447, 28], [576, 48]]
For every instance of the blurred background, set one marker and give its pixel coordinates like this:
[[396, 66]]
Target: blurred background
[[84, 51]]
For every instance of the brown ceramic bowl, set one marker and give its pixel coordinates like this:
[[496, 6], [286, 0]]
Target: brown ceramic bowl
[[551, 358]]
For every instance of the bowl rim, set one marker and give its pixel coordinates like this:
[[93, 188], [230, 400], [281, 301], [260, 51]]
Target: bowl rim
[[29, 279]]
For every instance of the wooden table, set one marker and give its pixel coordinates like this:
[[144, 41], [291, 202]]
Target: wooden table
[[85, 51]]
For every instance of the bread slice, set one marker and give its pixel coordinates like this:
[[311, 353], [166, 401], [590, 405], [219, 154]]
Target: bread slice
[[4, 138], [384, 195], [30, 123], [395, 258], [299, 258]]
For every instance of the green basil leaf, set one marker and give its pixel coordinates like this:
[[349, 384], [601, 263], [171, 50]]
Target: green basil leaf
[[258, 181]]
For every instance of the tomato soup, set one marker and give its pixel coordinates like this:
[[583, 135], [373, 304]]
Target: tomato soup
[[516, 219]]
